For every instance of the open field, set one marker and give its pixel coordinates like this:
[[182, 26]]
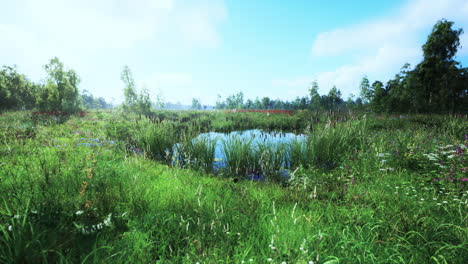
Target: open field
[[103, 187]]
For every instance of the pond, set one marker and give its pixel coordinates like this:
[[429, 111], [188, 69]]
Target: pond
[[251, 153]]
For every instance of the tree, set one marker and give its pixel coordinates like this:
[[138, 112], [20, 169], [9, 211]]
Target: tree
[[16, 91], [257, 103], [196, 105], [101, 103], [314, 96], [249, 104], [220, 104], [131, 98], [367, 93], [87, 99], [266, 102], [378, 103], [159, 102], [334, 98], [278, 104], [143, 102], [61, 89], [138, 103], [433, 85]]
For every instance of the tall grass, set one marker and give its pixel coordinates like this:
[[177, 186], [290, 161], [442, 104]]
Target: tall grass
[[63, 201], [197, 153], [157, 140], [272, 157], [330, 145], [297, 153], [238, 155]]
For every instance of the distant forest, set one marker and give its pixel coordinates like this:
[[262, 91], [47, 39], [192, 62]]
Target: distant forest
[[438, 84]]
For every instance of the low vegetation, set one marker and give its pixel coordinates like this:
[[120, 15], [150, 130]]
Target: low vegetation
[[93, 189]]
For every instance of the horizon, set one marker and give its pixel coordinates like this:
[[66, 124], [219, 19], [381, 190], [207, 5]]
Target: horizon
[[204, 48]]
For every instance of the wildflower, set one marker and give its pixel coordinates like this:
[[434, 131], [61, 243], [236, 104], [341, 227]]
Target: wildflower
[[270, 259], [10, 228], [80, 212], [107, 221]]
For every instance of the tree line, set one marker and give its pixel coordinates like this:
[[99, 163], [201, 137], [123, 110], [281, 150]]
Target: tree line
[[314, 101], [438, 84], [59, 92]]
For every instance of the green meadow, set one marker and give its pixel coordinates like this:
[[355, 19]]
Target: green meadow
[[110, 187]]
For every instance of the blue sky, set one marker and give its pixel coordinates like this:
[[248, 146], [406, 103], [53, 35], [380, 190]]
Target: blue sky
[[202, 48]]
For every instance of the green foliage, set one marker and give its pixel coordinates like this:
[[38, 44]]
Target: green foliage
[[196, 105], [16, 91], [60, 93], [436, 85], [330, 145], [367, 92], [314, 96], [90, 102], [239, 155], [196, 153], [157, 140], [73, 193], [131, 98], [141, 103]]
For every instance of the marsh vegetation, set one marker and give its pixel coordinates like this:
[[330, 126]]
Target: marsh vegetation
[[103, 188]]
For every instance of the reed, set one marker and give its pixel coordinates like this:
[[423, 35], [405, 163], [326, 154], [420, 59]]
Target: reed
[[238, 154]]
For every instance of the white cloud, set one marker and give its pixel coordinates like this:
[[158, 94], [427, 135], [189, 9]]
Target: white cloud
[[197, 23], [97, 37], [385, 44]]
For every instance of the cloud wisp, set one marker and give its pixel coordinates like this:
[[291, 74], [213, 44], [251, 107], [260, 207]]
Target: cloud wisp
[[384, 45]]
